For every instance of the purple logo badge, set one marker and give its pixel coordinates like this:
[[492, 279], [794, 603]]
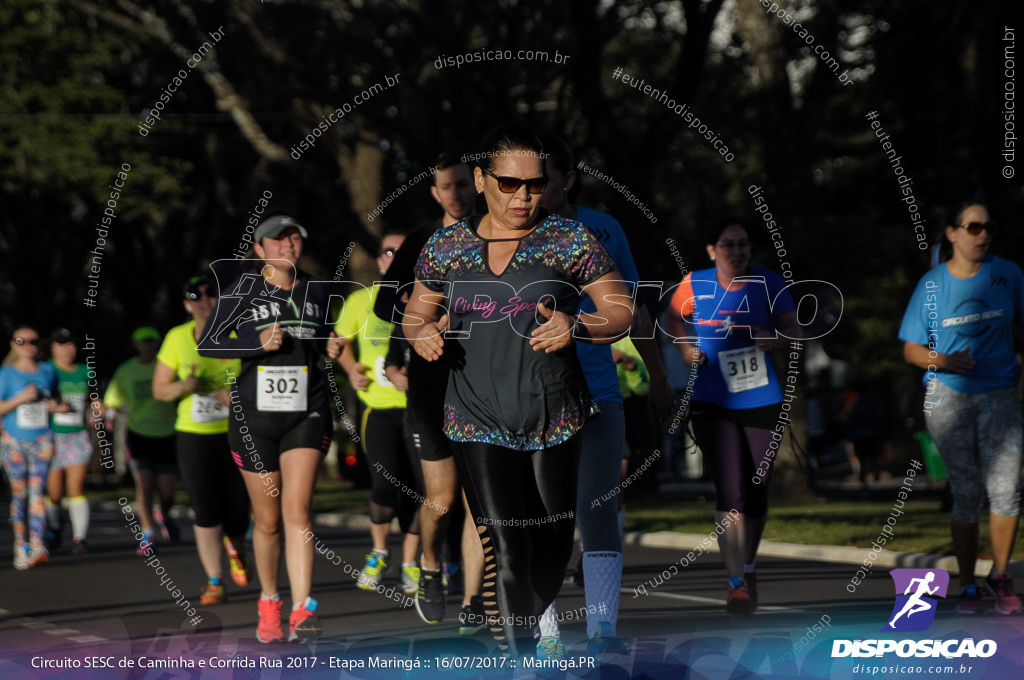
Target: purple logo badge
[[915, 609]]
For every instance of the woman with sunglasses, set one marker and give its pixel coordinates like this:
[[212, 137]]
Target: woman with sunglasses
[[958, 327], [201, 389], [274, 318], [736, 315], [506, 288], [28, 395]]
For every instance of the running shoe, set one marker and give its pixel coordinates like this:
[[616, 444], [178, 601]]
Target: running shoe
[[51, 538], [550, 648], [168, 527], [79, 548], [739, 605], [21, 557], [148, 540], [605, 642], [472, 618], [376, 566], [38, 556], [239, 570], [1001, 588], [269, 628], [431, 599], [211, 594], [751, 580], [410, 579], [969, 603], [303, 624]]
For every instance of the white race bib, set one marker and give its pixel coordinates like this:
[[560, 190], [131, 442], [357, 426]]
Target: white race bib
[[76, 416], [33, 416], [282, 388], [380, 375], [743, 369], [206, 409]]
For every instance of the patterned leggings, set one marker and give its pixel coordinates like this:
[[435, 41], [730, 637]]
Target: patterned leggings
[[26, 464], [979, 439]]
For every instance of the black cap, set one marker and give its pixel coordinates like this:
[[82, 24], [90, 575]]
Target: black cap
[[273, 226], [62, 335], [191, 289]]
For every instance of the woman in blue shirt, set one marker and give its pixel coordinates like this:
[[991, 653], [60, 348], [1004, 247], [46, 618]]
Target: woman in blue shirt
[[28, 395], [738, 400], [958, 327]]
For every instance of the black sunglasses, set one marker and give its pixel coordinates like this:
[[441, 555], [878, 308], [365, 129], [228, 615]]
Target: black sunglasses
[[975, 228], [510, 185], [195, 295], [26, 341]]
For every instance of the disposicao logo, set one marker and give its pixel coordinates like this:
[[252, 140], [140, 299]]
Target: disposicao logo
[[915, 608], [914, 611]]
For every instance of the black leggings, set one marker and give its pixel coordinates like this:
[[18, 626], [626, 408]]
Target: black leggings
[[213, 482], [395, 470], [515, 497], [735, 453]]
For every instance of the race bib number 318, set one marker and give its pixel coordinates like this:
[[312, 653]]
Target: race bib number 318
[[743, 369]]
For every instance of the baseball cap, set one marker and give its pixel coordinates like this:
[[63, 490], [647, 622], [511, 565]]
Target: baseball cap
[[145, 333], [273, 226], [193, 285], [62, 335]]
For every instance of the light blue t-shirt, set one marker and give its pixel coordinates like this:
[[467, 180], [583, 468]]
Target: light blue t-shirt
[[32, 420], [596, 360], [947, 314]]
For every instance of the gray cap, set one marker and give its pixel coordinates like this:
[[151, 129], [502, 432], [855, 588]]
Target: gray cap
[[273, 226]]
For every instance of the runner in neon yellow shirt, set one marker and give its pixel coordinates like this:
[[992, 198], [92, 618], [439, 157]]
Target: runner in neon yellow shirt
[[393, 463], [201, 387]]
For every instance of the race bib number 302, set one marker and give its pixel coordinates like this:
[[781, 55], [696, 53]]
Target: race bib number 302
[[743, 369], [282, 388]]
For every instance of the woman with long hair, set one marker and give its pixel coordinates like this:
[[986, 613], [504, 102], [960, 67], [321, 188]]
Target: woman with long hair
[[958, 327], [28, 395]]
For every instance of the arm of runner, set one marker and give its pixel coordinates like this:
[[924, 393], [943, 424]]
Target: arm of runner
[[614, 315], [355, 371], [25, 395], [787, 330], [165, 385], [919, 355], [661, 396], [424, 322]]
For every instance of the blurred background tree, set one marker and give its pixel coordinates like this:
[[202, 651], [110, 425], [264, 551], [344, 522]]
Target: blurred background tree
[[79, 76]]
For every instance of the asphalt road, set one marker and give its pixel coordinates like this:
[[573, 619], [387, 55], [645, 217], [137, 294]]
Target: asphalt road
[[110, 608]]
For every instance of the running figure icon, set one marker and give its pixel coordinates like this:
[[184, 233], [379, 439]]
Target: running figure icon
[[915, 604]]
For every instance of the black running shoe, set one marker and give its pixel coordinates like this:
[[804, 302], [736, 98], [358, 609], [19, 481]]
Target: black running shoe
[[431, 600], [472, 618]]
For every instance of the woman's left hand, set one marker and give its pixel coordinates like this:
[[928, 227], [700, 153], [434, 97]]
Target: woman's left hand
[[554, 334], [223, 396]]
